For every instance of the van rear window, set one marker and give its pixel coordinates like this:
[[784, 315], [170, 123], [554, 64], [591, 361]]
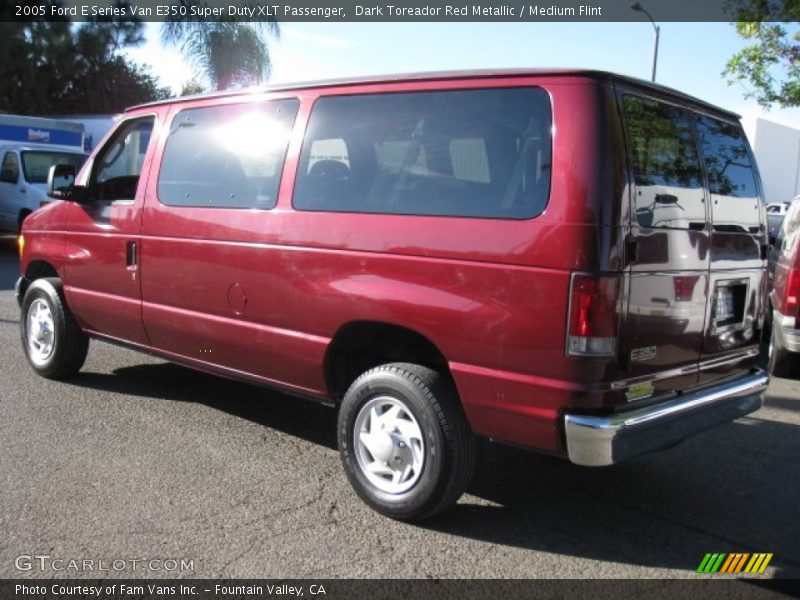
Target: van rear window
[[228, 156], [470, 153], [735, 203], [665, 165]]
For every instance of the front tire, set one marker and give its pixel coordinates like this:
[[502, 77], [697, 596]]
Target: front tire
[[54, 344], [404, 441]]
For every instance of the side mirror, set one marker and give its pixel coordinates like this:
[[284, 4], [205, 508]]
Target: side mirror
[[61, 184]]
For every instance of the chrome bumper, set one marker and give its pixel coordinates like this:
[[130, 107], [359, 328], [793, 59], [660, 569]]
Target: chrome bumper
[[785, 326], [601, 441]]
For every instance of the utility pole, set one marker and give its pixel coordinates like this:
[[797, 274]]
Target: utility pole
[[638, 7]]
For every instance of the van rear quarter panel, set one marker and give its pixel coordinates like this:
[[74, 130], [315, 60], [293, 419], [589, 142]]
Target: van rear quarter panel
[[491, 294]]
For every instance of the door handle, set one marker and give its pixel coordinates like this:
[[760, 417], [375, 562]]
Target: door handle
[[132, 258]]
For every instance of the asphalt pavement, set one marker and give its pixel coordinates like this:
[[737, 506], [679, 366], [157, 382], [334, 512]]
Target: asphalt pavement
[[137, 459]]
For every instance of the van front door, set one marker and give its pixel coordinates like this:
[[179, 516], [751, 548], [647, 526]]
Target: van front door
[[669, 243], [102, 272]]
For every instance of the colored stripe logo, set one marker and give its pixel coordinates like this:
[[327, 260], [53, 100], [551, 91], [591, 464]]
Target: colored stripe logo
[[735, 562]]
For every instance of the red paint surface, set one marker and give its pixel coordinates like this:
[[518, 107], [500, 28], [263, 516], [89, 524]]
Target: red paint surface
[[490, 294]]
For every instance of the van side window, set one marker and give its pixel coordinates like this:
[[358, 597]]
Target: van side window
[[228, 156], [36, 163], [10, 169], [665, 164], [118, 166], [731, 181], [471, 153]]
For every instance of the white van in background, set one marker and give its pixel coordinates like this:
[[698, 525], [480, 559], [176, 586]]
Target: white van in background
[[29, 146]]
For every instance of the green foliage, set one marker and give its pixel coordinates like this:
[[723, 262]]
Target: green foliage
[[191, 88], [51, 68], [770, 64], [227, 53], [662, 148]]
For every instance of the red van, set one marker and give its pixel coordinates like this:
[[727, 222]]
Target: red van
[[569, 261]]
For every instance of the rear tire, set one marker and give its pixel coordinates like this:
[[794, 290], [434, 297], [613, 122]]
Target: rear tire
[[780, 362], [54, 344], [404, 441]]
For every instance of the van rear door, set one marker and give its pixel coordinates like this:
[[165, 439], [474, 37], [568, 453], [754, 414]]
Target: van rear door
[[668, 248], [737, 277]]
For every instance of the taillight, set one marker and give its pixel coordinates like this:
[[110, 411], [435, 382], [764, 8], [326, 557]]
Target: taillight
[[592, 325], [792, 292], [684, 287]]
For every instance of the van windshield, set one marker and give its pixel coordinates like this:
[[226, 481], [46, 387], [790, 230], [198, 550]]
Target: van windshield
[[37, 163]]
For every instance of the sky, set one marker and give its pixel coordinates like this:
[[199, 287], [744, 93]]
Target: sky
[[691, 56]]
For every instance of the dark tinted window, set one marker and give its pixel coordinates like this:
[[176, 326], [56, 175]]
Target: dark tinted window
[[477, 153], [665, 164], [227, 156], [36, 164], [119, 164], [731, 181], [10, 169]]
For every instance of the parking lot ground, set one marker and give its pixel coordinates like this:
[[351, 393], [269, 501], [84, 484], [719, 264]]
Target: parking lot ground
[[136, 458]]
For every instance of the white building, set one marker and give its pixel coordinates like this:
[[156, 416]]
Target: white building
[[777, 150]]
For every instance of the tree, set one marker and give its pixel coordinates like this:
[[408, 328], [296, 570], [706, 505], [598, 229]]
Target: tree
[[57, 68], [111, 86], [770, 64], [191, 88], [227, 53]]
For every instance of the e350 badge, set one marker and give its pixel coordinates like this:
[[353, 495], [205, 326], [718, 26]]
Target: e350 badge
[[643, 354]]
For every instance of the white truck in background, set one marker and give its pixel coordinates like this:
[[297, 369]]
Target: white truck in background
[[29, 146]]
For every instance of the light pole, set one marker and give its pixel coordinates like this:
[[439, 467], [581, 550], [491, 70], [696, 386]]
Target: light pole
[[638, 7]]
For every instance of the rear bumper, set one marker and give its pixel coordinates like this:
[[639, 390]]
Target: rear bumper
[[601, 441], [790, 335]]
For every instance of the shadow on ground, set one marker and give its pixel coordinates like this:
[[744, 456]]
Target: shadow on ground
[[732, 489]]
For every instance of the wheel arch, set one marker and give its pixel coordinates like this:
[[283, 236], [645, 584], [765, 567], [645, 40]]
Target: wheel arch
[[38, 268], [359, 346], [35, 269]]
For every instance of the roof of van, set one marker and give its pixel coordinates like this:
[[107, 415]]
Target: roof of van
[[439, 75]]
